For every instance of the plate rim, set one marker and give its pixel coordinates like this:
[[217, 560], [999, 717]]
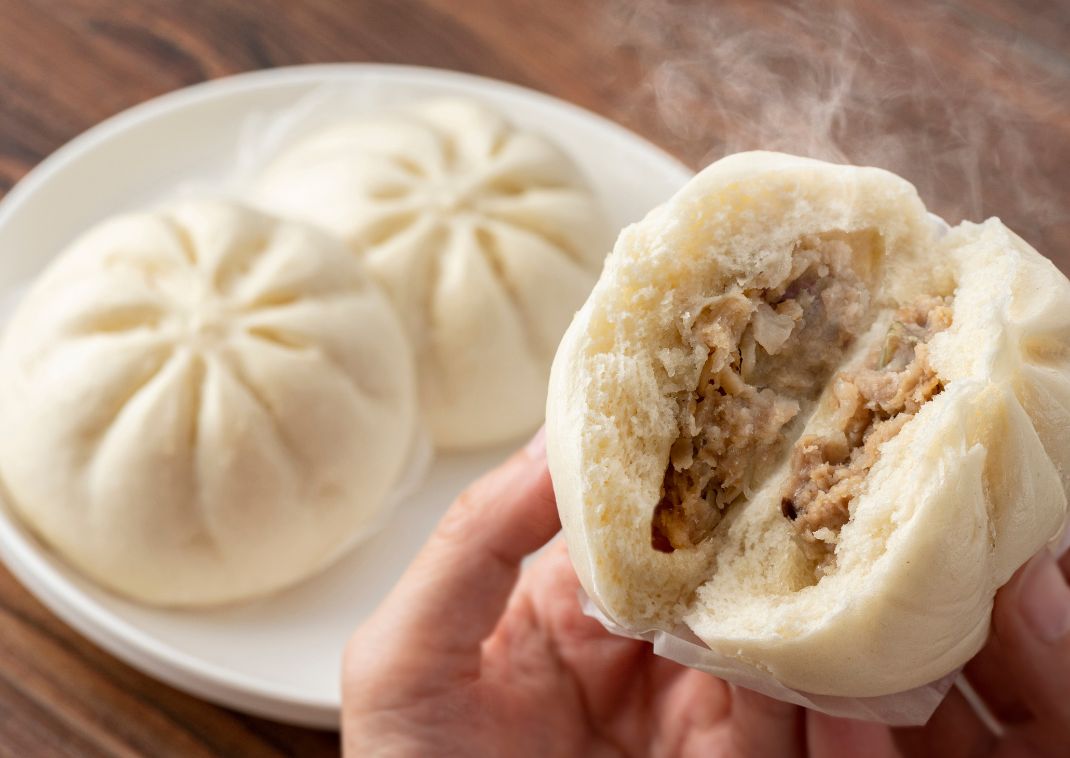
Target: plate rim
[[224, 86], [18, 548]]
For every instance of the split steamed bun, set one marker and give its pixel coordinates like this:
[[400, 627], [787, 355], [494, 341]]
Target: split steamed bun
[[799, 420], [203, 404], [486, 237]]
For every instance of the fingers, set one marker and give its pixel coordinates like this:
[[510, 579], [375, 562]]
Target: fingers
[[451, 596], [953, 731], [831, 737], [996, 685], [692, 712], [763, 726], [1032, 622], [601, 664], [995, 681]]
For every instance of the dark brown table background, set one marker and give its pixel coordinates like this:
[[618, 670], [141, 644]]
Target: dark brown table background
[[970, 100]]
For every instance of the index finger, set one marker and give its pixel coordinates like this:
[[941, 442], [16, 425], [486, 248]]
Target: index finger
[[451, 596]]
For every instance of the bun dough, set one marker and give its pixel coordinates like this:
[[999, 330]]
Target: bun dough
[[972, 485], [487, 239], [203, 404]]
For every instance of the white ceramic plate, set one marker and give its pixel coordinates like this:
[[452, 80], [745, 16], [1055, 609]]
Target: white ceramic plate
[[277, 657]]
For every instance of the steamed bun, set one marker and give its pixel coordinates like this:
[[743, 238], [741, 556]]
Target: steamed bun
[[203, 404], [486, 237], [798, 421]]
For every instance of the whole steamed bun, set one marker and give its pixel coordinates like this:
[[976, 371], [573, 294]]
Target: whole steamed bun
[[203, 404], [487, 238]]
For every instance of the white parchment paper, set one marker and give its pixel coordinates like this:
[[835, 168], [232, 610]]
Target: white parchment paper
[[908, 708]]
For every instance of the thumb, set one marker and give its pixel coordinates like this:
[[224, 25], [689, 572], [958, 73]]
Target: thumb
[[1031, 618]]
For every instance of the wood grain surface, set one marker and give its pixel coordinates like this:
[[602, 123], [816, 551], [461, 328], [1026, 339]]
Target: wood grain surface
[[970, 100]]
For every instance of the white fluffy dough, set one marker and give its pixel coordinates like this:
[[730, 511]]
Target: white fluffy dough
[[486, 237], [964, 488], [203, 404]]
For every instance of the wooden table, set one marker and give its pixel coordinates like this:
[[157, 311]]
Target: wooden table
[[970, 100]]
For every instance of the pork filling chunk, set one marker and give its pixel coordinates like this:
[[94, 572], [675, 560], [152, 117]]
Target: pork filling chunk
[[874, 401], [770, 350]]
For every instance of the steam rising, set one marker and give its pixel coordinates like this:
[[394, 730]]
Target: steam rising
[[980, 126]]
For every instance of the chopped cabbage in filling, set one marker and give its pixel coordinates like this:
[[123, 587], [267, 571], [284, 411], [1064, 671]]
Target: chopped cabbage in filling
[[772, 352], [769, 350]]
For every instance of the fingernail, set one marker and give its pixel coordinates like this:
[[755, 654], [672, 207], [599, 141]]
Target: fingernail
[[536, 448], [1044, 599]]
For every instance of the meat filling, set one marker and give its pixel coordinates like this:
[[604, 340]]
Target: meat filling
[[769, 351], [874, 402]]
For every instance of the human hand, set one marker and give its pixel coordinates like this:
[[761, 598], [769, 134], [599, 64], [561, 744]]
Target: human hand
[[461, 659], [464, 659]]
